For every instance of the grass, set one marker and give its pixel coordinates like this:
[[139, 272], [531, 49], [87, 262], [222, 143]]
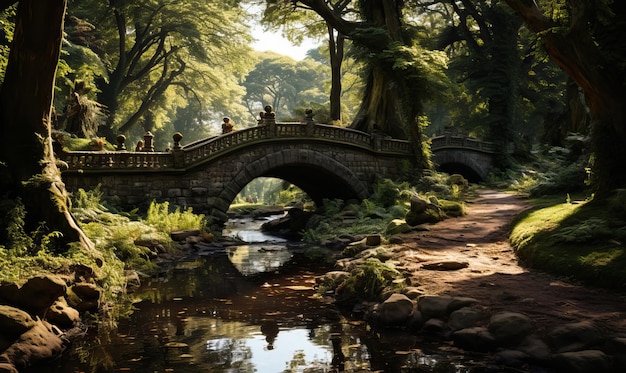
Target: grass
[[114, 235], [583, 242]]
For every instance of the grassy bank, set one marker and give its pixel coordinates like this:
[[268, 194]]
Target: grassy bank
[[582, 241]]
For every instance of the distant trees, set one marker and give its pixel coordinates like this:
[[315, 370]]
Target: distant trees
[[284, 83]]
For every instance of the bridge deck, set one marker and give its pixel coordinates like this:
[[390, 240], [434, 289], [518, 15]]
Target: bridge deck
[[184, 157]]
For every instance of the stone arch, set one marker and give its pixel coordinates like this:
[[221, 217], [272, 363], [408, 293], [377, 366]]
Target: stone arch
[[474, 166], [318, 175]]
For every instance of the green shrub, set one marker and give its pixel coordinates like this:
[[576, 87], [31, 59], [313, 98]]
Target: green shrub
[[160, 217], [367, 281]]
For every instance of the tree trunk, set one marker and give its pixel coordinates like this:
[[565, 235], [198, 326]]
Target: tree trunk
[[596, 65], [336, 45], [25, 107], [389, 106]]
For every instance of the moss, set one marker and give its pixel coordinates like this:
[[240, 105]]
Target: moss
[[367, 281], [583, 242]]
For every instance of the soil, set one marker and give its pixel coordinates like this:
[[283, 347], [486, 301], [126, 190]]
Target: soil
[[494, 276]]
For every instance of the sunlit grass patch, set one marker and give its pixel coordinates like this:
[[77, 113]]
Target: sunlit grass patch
[[536, 221], [582, 242]]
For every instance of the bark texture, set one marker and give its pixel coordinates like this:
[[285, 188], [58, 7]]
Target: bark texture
[[26, 149], [591, 51]]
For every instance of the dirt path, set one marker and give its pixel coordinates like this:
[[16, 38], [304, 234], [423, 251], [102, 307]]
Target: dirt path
[[494, 275]]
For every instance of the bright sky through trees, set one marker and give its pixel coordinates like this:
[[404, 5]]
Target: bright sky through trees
[[275, 42]]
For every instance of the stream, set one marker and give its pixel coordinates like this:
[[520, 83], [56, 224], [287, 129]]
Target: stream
[[250, 308]]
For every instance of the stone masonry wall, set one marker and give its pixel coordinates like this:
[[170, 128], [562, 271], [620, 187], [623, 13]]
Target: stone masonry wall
[[211, 187]]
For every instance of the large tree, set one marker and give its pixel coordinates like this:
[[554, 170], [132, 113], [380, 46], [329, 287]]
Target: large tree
[[585, 38], [160, 54], [400, 75], [29, 169]]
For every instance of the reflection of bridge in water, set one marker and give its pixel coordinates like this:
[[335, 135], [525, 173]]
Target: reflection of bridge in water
[[324, 161]]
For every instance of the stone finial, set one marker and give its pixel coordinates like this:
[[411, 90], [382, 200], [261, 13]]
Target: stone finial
[[308, 115], [177, 137], [269, 113], [148, 145], [121, 142]]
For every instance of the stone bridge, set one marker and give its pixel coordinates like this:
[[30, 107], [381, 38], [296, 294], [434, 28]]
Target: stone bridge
[[206, 175], [463, 155], [324, 161]]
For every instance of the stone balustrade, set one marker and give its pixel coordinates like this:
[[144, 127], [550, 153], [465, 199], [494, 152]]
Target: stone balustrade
[[456, 141], [181, 157]]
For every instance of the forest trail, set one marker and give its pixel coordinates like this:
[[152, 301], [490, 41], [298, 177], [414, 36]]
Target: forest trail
[[494, 276]]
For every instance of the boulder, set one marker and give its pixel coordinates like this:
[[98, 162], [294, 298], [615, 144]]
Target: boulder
[[575, 336], [436, 327], [61, 314], [510, 327], [434, 306], [511, 358], [466, 317], [397, 226], [41, 342], [583, 362], [535, 348], [332, 279], [9, 291], [396, 310], [38, 293], [84, 296], [474, 339], [14, 321]]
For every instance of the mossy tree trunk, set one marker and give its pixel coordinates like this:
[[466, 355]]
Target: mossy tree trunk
[[393, 96], [592, 52], [30, 170]]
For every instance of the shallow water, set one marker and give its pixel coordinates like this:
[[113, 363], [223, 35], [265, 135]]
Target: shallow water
[[251, 309]]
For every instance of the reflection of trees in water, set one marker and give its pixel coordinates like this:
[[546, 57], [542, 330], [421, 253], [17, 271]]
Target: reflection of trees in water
[[228, 353], [261, 258]]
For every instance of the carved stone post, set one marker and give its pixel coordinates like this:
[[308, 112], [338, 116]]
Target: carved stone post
[[309, 122], [177, 151], [269, 118], [148, 145], [121, 142]]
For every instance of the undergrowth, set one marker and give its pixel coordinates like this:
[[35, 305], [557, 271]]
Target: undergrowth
[[391, 200], [116, 237]]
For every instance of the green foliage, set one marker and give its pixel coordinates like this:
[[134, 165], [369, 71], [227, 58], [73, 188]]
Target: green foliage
[[170, 54], [367, 281], [7, 28], [18, 242], [162, 219], [387, 192], [390, 201], [284, 83]]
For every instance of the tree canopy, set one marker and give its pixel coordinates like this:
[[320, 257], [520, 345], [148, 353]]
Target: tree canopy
[[159, 55]]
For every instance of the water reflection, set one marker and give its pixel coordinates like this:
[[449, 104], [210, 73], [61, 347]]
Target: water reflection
[[259, 258], [211, 314]]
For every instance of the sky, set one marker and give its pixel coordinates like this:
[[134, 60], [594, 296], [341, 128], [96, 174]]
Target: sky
[[273, 41]]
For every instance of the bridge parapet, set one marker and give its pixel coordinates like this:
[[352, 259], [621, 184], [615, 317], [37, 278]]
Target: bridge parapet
[[454, 141], [187, 156]]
